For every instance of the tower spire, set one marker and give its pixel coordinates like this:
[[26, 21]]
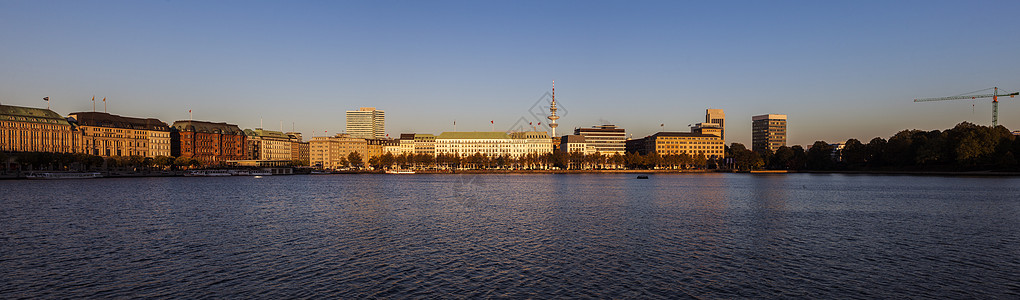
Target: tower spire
[[552, 111]]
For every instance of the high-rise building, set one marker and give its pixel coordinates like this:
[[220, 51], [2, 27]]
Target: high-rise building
[[366, 123], [607, 139], [717, 116], [768, 132]]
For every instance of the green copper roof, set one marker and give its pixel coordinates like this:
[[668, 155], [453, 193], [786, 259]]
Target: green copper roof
[[489, 135], [31, 115]]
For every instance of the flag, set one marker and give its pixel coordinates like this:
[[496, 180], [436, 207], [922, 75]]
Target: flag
[[454, 122], [493, 121], [529, 124], [93, 98], [47, 99], [539, 123], [104, 99], [189, 111]]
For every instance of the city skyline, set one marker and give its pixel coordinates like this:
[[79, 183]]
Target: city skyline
[[839, 70]]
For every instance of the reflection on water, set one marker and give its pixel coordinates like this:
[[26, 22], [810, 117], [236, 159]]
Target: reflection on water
[[534, 236]]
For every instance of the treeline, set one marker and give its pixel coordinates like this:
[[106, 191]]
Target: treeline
[[34, 161], [964, 147], [531, 161]]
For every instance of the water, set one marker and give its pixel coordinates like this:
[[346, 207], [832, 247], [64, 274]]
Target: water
[[518, 236]]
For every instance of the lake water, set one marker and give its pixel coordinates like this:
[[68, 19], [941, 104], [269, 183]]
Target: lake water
[[518, 236]]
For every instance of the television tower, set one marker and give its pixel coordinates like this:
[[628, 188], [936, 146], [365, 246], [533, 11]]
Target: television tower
[[552, 111]]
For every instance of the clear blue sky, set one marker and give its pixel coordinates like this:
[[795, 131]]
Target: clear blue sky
[[838, 69]]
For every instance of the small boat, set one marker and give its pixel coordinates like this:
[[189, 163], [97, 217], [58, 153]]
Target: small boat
[[63, 175], [642, 177], [399, 172], [207, 173]]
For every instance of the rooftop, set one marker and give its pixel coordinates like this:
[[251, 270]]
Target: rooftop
[[101, 119], [490, 135], [32, 115]]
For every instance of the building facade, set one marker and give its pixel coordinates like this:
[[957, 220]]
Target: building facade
[[666, 143], [768, 132], [607, 139], [208, 142], [366, 123], [331, 152], [26, 129], [268, 145], [576, 144], [717, 116], [492, 143], [108, 135]]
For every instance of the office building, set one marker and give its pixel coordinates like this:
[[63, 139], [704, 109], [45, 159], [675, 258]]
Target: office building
[[268, 145], [717, 116], [493, 143], [366, 123], [768, 132], [667, 143], [606, 139]]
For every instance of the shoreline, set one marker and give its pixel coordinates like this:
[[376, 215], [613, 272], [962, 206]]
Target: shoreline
[[525, 172]]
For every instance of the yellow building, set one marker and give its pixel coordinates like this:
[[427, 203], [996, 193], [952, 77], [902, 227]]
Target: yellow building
[[106, 135], [331, 152], [26, 129], [664, 143], [269, 145]]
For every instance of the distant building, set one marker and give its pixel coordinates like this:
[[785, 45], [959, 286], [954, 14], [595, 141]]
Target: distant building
[[298, 147], [26, 129], [107, 135], [576, 144], [366, 123], [492, 143], [768, 132], [268, 145], [665, 143], [208, 142], [606, 139], [717, 116], [331, 152], [707, 128]]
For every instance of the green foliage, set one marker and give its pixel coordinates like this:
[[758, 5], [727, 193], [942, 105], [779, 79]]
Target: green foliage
[[354, 159]]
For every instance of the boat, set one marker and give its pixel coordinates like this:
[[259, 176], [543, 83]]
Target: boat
[[250, 173], [399, 172], [642, 177], [207, 173], [63, 175]]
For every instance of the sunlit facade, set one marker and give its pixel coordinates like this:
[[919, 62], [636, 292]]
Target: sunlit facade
[[26, 129]]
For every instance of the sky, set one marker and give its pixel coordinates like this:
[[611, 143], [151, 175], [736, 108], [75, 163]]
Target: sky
[[838, 69]]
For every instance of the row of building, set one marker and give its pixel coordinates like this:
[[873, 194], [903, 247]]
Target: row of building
[[25, 129], [103, 134]]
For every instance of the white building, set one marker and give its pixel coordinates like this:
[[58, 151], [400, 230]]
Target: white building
[[493, 143]]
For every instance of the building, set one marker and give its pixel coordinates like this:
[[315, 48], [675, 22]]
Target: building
[[768, 132], [666, 143], [492, 143], [26, 129], [108, 135], [576, 144], [207, 142], [299, 149], [425, 144], [268, 145], [707, 128], [535, 142], [607, 139], [331, 152], [717, 116], [366, 123]]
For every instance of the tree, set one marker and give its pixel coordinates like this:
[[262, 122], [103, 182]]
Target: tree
[[354, 158], [854, 154], [374, 162], [782, 159], [386, 160], [819, 157]]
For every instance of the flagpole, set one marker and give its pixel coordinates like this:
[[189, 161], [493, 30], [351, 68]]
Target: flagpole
[[104, 105], [93, 103]]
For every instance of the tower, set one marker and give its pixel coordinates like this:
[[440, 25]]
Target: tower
[[366, 123], [717, 116], [552, 111], [768, 132]]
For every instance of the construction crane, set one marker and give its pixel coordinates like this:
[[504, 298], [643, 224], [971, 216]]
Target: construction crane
[[994, 95]]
